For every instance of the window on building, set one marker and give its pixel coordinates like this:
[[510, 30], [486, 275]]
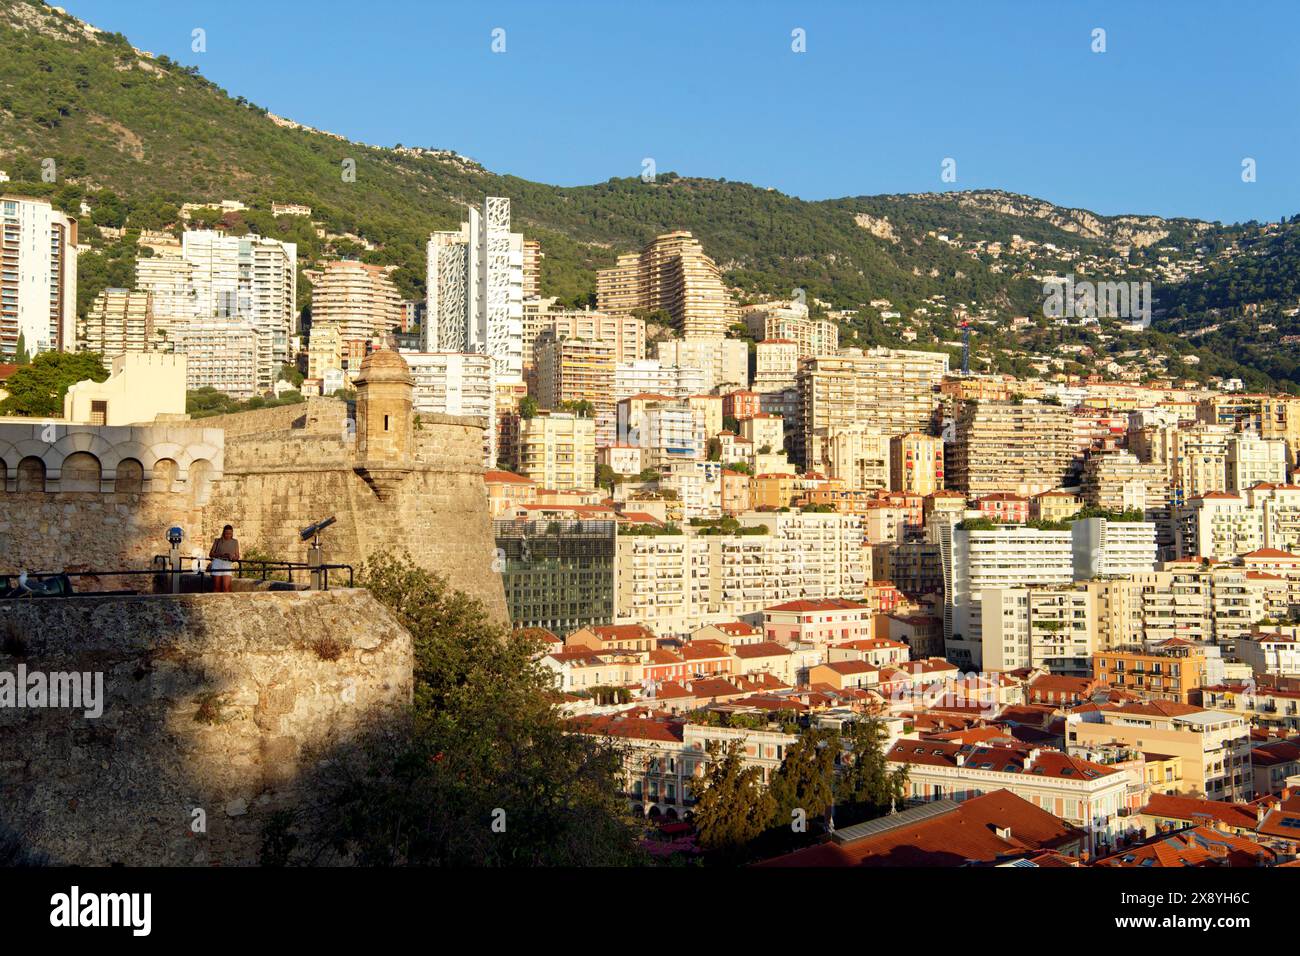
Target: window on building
[[99, 413]]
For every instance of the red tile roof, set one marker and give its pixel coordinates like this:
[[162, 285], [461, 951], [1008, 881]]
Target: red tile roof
[[506, 476], [985, 829], [1201, 846], [636, 728], [1173, 807], [826, 604], [765, 649]]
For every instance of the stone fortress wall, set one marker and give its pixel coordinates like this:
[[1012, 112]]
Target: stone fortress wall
[[217, 711], [80, 497]]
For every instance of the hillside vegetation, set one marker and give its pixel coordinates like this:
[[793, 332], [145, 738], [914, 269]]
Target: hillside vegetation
[[135, 136]]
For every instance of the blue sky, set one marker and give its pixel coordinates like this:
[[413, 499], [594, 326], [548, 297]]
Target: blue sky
[[1158, 124]]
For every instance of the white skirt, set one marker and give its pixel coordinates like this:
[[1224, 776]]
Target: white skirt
[[220, 567]]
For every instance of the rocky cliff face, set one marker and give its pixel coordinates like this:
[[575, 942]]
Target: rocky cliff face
[[214, 711]]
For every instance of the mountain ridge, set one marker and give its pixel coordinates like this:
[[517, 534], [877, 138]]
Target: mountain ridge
[[136, 135]]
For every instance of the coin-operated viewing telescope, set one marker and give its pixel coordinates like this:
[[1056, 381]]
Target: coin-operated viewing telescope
[[316, 554]]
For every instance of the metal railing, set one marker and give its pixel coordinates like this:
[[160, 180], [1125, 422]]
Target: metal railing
[[60, 583], [261, 568]]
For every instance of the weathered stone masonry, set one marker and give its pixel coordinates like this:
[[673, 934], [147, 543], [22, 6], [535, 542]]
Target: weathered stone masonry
[[100, 497], [216, 702]]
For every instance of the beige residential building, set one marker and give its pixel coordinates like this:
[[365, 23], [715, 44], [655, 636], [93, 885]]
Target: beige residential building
[[578, 370], [1119, 481], [625, 333], [358, 299], [118, 321], [672, 274], [916, 463], [533, 256], [221, 354], [1186, 600], [892, 390], [857, 455], [325, 351], [167, 277], [1020, 448], [789, 321], [1214, 746], [1279, 418], [1194, 456], [558, 450]]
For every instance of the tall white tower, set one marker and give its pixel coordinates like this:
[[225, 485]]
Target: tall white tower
[[476, 290]]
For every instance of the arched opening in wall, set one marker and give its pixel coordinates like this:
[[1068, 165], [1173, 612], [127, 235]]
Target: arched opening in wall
[[31, 474], [80, 472], [130, 477], [201, 480], [4, 477], [164, 474]]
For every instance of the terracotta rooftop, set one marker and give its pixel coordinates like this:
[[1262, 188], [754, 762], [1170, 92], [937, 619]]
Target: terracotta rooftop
[[984, 829]]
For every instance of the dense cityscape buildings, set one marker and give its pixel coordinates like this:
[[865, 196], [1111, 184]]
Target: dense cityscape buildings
[[788, 524], [759, 575]]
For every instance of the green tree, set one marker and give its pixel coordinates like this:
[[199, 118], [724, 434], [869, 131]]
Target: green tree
[[528, 407], [806, 778], [731, 805], [867, 788], [38, 389], [484, 743]]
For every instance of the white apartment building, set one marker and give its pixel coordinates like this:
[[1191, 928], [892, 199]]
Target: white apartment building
[[246, 280], [651, 377], [725, 362], [1037, 627], [1280, 505], [38, 277], [456, 383], [475, 290], [1104, 548], [1008, 557], [1218, 525], [1253, 460], [765, 431], [221, 354], [674, 583], [665, 431], [1276, 654], [776, 365], [698, 485]]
